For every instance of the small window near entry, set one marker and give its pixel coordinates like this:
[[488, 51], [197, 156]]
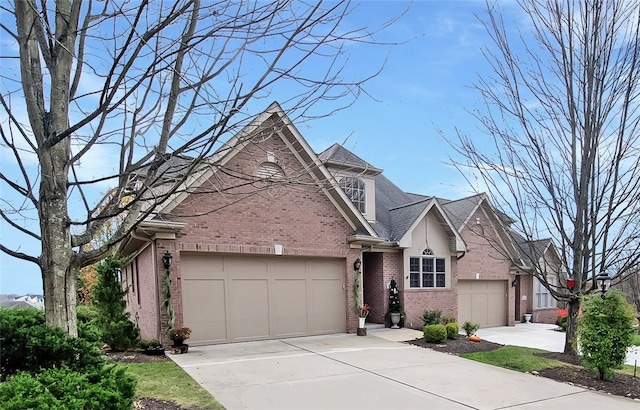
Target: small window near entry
[[427, 271]]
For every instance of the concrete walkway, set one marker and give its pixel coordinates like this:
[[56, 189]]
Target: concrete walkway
[[373, 372]]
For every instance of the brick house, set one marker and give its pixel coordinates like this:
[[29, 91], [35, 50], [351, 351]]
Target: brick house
[[264, 238]]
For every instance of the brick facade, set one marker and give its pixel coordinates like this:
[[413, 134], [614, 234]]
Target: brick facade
[[251, 219]]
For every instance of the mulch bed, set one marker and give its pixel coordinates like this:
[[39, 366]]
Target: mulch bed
[[573, 373]]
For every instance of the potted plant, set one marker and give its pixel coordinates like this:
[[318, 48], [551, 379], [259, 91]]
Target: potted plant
[[178, 335], [395, 309], [362, 315]]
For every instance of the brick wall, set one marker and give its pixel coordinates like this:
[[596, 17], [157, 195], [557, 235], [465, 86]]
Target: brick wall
[[416, 301], [142, 288], [545, 316]]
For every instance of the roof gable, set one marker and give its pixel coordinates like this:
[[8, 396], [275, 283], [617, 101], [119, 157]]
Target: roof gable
[[274, 122], [339, 157]]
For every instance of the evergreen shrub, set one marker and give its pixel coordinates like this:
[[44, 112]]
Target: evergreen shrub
[[435, 333]]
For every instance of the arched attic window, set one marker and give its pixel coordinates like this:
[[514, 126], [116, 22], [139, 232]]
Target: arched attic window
[[354, 188], [270, 171]]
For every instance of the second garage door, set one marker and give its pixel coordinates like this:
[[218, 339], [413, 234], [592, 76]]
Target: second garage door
[[228, 298], [482, 302]]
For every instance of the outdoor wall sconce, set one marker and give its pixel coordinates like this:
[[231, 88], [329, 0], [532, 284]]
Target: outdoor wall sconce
[[604, 282], [357, 264], [515, 282], [166, 259]]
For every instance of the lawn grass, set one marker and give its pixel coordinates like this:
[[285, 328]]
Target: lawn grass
[[523, 359], [517, 358], [167, 381], [636, 340]]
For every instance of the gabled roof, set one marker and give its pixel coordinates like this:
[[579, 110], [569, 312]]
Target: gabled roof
[[460, 211], [339, 157], [531, 252], [398, 212], [276, 121]]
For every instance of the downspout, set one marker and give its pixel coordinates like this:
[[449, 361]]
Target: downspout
[[154, 267]]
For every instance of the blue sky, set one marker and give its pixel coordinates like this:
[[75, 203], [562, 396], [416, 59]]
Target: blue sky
[[425, 86]]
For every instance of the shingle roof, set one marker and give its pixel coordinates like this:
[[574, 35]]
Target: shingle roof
[[530, 251], [339, 156], [395, 209], [459, 210]]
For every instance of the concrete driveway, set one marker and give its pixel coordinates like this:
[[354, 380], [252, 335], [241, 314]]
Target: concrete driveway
[[373, 372]]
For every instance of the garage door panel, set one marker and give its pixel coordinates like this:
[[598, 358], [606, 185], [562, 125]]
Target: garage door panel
[[249, 309], [265, 296], [201, 267], [245, 267], [286, 269], [290, 307], [206, 321], [327, 306], [482, 302]]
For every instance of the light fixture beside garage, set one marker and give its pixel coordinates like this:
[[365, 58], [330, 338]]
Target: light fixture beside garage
[[357, 264], [166, 259], [278, 248]]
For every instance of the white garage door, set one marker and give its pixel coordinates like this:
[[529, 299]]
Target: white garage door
[[482, 302], [237, 298]]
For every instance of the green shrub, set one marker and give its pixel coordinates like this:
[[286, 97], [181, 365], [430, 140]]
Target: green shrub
[[118, 331], [435, 333], [452, 330], [28, 344], [107, 388], [470, 328], [562, 322], [88, 326], [447, 319], [431, 317], [605, 331]]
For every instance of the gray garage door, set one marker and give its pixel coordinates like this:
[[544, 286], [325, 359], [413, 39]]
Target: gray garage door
[[482, 302], [237, 298]]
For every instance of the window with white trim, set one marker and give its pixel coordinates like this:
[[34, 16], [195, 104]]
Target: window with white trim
[[543, 296], [354, 188], [427, 271]]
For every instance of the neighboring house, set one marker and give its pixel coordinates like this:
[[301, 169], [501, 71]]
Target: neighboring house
[[263, 244], [28, 300]]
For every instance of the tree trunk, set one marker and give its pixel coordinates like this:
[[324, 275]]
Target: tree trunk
[[56, 262], [572, 327]]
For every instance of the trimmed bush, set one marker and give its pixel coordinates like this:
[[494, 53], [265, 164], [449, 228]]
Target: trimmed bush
[[435, 333], [28, 344], [452, 330], [431, 317], [470, 328], [107, 388], [605, 331]]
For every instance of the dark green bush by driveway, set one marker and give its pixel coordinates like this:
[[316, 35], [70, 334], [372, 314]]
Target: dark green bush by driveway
[[43, 368]]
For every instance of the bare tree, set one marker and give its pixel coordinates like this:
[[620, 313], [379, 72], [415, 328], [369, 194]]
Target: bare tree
[[561, 151], [629, 284], [156, 87]]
